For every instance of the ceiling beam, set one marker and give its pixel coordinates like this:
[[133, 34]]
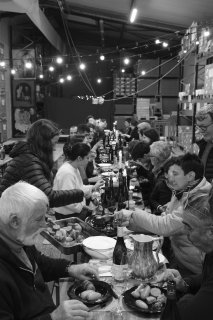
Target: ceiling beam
[[31, 8]]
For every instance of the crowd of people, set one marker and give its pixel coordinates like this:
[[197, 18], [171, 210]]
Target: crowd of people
[[176, 186]]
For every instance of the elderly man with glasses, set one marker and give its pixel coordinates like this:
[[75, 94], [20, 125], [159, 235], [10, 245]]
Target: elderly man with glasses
[[204, 118]]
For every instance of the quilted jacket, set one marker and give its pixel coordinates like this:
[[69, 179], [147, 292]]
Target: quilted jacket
[[26, 166]]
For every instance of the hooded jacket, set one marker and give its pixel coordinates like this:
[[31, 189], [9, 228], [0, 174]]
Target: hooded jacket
[[24, 294], [26, 166], [170, 224]]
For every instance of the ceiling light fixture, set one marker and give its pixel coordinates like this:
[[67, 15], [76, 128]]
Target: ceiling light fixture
[[122, 70], [51, 68], [61, 80], [82, 66], [133, 15], [59, 60], [69, 77], [99, 80], [13, 71], [41, 76], [102, 57], [143, 72], [165, 44], [126, 61], [28, 65], [2, 64], [157, 41]]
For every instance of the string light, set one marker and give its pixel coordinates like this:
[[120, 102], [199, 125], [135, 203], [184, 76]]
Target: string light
[[99, 80], [82, 66], [59, 60], [126, 61], [51, 68], [41, 76], [2, 64], [165, 44], [206, 33], [122, 70], [69, 77], [102, 57], [143, 72], [28, 65], [13, 71], [197, 43], [61, 80], [157, 41]]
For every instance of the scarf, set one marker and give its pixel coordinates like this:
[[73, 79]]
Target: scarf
[[179, 193]]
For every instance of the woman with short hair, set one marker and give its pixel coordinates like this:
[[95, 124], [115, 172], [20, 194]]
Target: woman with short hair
[[68, 176]]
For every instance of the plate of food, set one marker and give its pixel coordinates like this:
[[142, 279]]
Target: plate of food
[[91, 293], [146, 298]]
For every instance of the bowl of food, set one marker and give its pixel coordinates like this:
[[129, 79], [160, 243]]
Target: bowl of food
[[91, 293], [99, 247]]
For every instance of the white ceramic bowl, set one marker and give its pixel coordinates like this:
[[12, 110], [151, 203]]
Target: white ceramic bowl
[[99, 247]]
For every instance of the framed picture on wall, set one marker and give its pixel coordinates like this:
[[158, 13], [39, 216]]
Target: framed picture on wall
[[23, 117], [24, 63], [23, 93]]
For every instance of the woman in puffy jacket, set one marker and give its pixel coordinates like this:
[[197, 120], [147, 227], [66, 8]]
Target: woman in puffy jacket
[[32, 161]]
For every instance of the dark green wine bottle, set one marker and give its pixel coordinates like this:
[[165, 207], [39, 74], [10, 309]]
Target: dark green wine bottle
[[171, 312]]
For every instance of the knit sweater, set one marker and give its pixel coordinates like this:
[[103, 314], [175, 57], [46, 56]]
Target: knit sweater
[[24, 294], [27, 166]]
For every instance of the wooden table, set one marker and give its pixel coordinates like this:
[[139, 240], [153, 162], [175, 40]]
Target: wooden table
[[109, 311]]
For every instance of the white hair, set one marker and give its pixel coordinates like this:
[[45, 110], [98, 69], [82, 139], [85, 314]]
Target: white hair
[[21, 199]]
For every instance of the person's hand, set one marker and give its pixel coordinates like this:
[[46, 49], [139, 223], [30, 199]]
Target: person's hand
[[99, 184], [123, 216], [173, 274], [70, 309], [94, 179], [83, 271]]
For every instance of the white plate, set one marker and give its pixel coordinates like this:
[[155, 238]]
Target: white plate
[[99, 243]]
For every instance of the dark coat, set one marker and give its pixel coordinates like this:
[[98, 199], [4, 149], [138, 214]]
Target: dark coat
[[26, 166], [199, 306], [208, 173], [161, 195], [24, 294]]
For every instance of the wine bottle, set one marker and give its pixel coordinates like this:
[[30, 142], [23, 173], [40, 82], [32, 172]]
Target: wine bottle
[[120, 198], [105, 198], [119, 257], [170, 311], [111, 201]]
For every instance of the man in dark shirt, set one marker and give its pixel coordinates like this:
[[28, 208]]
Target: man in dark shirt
[[24, 294], [196, 304]]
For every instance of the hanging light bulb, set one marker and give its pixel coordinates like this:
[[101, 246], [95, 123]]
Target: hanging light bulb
[[41, 76], [122, 70], [165, 44], [82, 66], [28, 65], [143, 72], [184, 51], [61, 80], [157, 41], [13, 71], [102, 57], [69, 77], [197, 42], [99, 80], [206, 33], [126, 61], [2, 64], [59, 60], [51, 68]]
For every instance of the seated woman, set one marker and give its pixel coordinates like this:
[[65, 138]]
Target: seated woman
[[160, 152], [68, 175], [145, 177], [148, 136]]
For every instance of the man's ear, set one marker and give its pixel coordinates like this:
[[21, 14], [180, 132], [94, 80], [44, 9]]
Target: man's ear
[[191, 175], [14, 221]]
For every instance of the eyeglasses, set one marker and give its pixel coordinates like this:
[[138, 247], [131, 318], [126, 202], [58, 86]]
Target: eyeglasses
[[203, 128]]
